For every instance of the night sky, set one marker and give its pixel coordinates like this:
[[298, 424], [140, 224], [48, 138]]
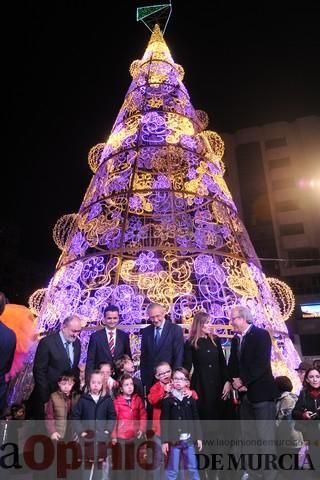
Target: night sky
[[66, 74]]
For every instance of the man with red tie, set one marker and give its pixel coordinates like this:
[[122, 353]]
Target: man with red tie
[[108, 344]]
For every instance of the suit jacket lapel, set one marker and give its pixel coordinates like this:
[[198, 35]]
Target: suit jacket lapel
[[118, 342], [61, 348], [244, 341], [77, 352]]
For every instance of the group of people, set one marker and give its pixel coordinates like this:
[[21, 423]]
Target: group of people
[[183, 386]]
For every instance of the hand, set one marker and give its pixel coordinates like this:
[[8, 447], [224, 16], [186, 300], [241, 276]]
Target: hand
[[237, 383], [55, 436], [114, 441], [165, 448], [226, 390], [307, 414], [199, 444], [167, 388], [83, 434], [243, 389], [139, 434], [187, 393]]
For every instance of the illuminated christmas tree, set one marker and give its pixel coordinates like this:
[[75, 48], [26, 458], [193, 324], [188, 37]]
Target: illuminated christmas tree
[[158, 224]]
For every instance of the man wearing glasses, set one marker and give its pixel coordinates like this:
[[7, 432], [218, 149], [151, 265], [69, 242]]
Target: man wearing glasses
[[250, 369], [55, 354]]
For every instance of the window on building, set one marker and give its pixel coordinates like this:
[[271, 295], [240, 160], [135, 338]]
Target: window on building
[[310, 344], [283, 183], [300, 254], [275, 143], [291, 229], [279, 162], [286, 206], [304, 284]]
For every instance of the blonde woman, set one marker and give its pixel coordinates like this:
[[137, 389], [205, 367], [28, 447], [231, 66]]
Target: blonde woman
[[210, 377]]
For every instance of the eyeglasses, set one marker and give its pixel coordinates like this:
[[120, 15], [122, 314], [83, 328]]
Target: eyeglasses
[[163, 373]]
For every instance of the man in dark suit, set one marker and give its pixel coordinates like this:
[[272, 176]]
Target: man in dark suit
[[55, 354], [162, 341], [7, 348], [250, 369], [108, 344]]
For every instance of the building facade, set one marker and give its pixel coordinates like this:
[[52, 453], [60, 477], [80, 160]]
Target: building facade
[[273, 172]]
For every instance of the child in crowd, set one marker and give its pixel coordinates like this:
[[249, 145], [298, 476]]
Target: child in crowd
[[94, 414], [158, 392], [125, 365], [289, 440], [180, 427], [131, 421], [17, 411], [109, 384], [58, 408]]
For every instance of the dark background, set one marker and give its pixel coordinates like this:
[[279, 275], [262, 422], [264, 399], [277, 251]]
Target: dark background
[[66, 75]]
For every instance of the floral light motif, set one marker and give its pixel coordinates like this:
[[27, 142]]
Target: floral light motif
[[92, 268], [146, 262]]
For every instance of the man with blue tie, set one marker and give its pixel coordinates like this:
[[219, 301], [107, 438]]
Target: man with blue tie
[[55, 354], [162, 341]]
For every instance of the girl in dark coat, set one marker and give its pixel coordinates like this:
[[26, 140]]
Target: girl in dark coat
[[203, 353], [94, 419]]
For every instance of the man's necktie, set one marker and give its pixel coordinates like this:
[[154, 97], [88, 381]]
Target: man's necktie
[[68, 352], [241, 344], [157, 336], [111, 343]]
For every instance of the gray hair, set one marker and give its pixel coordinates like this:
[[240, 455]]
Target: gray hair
[[245, 313], [69, 319], [154, 305]]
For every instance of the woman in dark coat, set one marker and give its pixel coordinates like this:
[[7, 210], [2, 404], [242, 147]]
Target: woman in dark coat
[[307, 414], [210, 378]]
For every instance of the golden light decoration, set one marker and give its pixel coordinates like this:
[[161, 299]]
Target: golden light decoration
[[180, 71], [155, 102], [283, 295], [202, 118], [240, 278], [179, 126], [155, 79], [35, 301], [94, 157], [161, 287], [134, 68], [215, 142], [129, 128], [63, 228]]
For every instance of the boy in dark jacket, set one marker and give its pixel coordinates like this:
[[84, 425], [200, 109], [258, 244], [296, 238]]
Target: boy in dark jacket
[[180, 427]]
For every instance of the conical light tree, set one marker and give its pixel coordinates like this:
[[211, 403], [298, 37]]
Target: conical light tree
[[158, 223]]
